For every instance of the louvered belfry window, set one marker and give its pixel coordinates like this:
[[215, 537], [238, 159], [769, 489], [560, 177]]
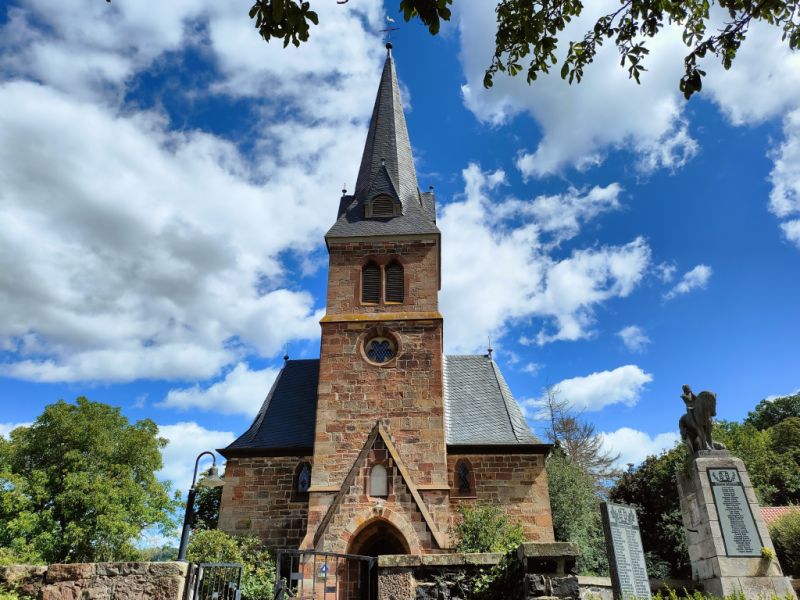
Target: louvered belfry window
[[382, 206], [371, 283], [394, 282]]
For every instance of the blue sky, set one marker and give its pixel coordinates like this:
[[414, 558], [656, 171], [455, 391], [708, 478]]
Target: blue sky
[[166, 179]]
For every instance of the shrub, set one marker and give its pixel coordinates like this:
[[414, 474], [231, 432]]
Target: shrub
[[213, 545], [486, 529], [785, 533]]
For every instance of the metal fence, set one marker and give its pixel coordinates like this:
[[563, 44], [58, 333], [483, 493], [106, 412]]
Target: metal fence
[[311, 575], [215, 581]]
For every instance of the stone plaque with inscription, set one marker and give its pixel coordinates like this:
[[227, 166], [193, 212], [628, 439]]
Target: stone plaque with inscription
[[739, 531], [625, 552]]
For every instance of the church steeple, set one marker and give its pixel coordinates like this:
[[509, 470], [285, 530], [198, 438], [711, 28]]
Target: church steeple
[[387, 166], [386, 200]]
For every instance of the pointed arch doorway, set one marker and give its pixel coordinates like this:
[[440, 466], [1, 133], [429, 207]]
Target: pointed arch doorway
[[376, 538]]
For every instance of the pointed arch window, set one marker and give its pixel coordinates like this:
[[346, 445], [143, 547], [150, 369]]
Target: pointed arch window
[[371, 283], [302, 481], [464, 479], [394, 282], [378, 481]]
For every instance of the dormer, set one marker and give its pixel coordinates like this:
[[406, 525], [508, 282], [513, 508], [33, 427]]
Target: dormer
[[382, 206]]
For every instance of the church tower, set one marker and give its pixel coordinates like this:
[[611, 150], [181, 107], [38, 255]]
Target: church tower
[[373, 447], [381, 352]]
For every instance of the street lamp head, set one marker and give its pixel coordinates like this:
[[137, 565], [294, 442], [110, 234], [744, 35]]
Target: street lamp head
[[212, 480]]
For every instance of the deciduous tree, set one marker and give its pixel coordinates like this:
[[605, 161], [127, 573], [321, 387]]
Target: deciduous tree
[[80, 485], [530, 32]]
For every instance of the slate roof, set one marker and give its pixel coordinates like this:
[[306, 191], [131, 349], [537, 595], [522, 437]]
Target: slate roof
[[288, 415], [387, 167], [479, 408]]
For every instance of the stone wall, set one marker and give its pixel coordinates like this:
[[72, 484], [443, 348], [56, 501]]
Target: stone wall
[[259, 499], [101, 581], [534, 571], [515, 482]]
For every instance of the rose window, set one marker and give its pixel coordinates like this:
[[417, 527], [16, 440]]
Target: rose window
[[380, 349]]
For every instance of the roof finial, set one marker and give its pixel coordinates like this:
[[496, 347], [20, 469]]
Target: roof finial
[[344, 189], [388, 31], [489, 350], [286, 353]]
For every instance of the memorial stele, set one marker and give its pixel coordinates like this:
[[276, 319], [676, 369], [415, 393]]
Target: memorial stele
[[625, 552], [728, 542]]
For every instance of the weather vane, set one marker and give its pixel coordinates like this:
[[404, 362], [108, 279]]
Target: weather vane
[[389, 29]]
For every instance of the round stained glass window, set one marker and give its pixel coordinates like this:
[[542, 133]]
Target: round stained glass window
[[380, 349]]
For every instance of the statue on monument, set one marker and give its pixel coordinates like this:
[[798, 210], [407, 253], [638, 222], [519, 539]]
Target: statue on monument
[[695, 425]]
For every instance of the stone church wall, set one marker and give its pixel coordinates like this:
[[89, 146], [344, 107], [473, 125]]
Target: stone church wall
[[259, 499], [406, 394], [516, 482]]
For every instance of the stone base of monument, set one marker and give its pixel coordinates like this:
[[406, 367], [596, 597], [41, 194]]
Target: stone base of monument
[[725, 532]]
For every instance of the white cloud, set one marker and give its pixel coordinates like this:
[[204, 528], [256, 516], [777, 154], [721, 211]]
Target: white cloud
[[162, 252], [764, 81], [665, 271], [532, 368], [695, 279], [241, 392], [7, 428], [634, 338], [580, 123], [510, 275], [784, 199], [187, 440], [593, 392], [634, 446], [561, 216]]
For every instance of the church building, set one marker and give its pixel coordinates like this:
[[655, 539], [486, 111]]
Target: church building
[[371, 448]]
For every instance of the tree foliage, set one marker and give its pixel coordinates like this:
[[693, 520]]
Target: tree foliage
[[486, 528], [79, 484], [206, 506], [529, 32], [771, 412], [213, 545], [785, 534], [772, 457], [575, 509], [652, 489]]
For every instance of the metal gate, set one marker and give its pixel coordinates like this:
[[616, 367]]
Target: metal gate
[[311, 575], [216, 581]]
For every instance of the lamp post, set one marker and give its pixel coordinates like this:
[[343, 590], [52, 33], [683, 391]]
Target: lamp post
[[213, 480]]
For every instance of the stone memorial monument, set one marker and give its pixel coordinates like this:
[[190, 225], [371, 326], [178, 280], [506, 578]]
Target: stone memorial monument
[[625, 553], [727, 538]]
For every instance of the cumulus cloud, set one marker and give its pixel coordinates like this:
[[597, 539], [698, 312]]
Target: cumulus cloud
[[784, 199], [634, 446], [580, 123], [634, 338], [137, 250], [511, 275], [595, 391], [187, 440], [240, 392], [695, 279]]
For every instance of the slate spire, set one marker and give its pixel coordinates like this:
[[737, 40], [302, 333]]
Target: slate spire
[[387, 165]]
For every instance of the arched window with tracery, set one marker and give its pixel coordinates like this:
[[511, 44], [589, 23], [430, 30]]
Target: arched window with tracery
[[371, 283], [394, 282], [378, 481], [464, 479]]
